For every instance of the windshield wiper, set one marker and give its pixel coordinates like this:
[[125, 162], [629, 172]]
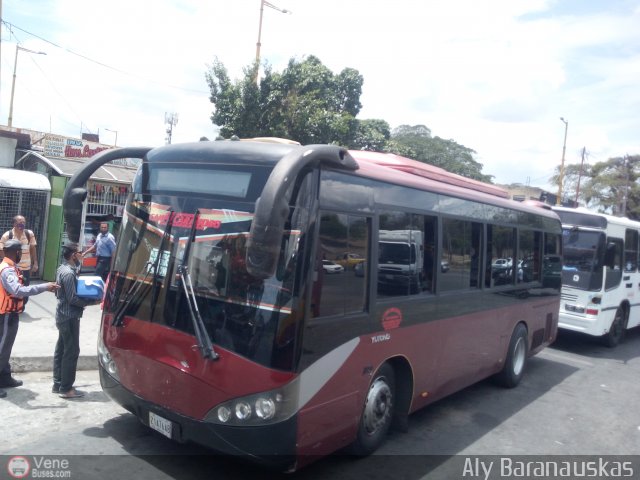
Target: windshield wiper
[[204, 342], [156, 264], [132, 293]]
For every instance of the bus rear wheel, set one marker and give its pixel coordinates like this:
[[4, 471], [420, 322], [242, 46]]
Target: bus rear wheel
[[516, 361], [377, 413], [616, 333]]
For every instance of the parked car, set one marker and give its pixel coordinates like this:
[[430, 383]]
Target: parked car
[[350, 260], [444, 266], [331, 267], [501, 263]]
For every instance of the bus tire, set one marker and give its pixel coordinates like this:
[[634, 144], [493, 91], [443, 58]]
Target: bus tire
[[516, 361], [377, 413], [615, 335]]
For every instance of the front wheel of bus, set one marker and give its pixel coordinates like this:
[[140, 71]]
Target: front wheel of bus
[[616, 332], [516, 361], [377, 413]]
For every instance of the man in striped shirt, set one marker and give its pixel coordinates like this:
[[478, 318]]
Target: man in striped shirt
[[68, 312]]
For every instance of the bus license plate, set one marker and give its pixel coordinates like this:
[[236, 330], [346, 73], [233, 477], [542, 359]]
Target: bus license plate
[[160, 424]]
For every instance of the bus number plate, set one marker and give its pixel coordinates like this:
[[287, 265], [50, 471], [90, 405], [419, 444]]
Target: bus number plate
[[160, 424]]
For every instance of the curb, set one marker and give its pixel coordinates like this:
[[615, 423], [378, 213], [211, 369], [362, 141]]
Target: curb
[[45, 364]]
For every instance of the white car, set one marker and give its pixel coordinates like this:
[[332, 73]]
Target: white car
[[331, 267], [501, 263]]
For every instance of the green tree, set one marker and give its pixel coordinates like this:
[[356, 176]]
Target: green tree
[[575, 174], [613, 186], [416, 142], [372, 135], [306, 102]]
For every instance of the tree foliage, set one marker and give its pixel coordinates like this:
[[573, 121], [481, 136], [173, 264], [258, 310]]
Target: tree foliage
[[610, 186], [613, 186], [416, 142], [308, 103]]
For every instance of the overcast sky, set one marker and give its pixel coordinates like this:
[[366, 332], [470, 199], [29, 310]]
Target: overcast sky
[[492, 75]]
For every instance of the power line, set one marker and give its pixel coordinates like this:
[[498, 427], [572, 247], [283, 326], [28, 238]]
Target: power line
[[84, 57], [12, 33]]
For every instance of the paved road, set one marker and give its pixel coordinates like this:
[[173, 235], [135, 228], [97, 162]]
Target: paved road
[[577, 398]]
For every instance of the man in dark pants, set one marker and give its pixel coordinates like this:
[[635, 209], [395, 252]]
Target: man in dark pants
[[104, 247], [68, 312], [12, 295]]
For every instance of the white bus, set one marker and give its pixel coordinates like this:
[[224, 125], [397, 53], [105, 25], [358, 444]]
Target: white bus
[[600, 276]]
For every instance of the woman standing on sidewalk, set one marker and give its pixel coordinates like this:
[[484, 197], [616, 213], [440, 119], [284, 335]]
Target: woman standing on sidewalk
[[68, 312]]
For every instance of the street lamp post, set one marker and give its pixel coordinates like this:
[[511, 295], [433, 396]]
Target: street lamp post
[[115, 142], [13, 83], [564, 148], [264, 3]]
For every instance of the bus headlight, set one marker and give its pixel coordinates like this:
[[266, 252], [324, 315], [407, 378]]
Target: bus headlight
[[243, 410], [224, 414], [104, 357], [265, 408], [259, 409]]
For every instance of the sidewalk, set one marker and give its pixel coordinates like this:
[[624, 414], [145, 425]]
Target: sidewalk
[[37, 336]]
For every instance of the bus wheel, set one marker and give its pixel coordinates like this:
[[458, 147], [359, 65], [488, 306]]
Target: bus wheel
[[377, 413], [616, 332], [513, 369]]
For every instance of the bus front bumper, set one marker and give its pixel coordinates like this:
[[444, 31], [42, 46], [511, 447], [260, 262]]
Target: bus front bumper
[[272, 446]]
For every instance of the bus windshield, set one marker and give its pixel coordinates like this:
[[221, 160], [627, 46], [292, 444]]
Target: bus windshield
[[250, 316], [395, 253], [582, 252]]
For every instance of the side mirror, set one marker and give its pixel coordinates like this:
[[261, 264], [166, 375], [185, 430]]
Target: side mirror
[[272, 208]]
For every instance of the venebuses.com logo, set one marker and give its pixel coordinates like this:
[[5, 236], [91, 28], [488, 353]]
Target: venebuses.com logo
[[18, 467], [38, 467]]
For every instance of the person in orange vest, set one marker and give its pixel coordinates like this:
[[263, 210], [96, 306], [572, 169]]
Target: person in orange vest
[[12, 295]]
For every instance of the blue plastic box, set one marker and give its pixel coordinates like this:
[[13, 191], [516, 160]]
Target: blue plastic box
[[90, 286]]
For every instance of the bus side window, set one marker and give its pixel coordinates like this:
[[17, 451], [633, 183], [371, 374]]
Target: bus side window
[[630, 250], [613, 262], [340, 288]]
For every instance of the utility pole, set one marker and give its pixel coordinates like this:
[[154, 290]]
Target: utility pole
[[584, 149], [564, 148], [170, 119], [264, 3], [626, 185]]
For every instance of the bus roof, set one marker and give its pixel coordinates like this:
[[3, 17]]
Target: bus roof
[[425, 170], [12, 178], [376, 165], [583, 217]]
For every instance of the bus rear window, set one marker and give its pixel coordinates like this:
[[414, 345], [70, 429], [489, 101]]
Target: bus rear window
[[200, 180]]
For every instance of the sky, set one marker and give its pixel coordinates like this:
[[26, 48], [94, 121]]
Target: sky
[[495, 76]]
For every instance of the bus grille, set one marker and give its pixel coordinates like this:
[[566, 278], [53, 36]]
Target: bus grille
[[568, 297]]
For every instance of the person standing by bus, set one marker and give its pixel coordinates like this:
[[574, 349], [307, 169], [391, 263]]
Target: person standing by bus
[[104, 246], [68, 313], [29, 261], [12, 296]]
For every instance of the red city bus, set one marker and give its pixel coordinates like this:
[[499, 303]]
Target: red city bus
[[222, 327]]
